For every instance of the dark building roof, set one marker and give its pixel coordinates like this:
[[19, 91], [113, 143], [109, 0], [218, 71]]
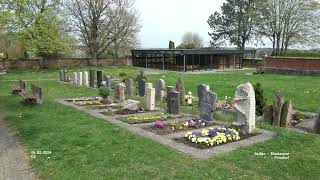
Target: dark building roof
[[192, 51]]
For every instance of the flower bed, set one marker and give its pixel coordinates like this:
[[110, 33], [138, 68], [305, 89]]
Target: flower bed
[[83, 99], [85, 103], [211, 137], [126, 111], [147, 118], [162, 128]]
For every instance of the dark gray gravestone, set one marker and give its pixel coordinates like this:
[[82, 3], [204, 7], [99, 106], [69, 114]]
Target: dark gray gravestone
[[207, 102], [65, 76], [173, 102], [129, 87], [142, 86], [286, 114], [99, 78], [91, 78], [170, 88], [61, 75]]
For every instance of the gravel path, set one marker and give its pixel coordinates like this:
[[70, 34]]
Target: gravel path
[[13, 163]]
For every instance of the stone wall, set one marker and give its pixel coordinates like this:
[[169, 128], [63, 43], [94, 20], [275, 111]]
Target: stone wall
[[60, 63], [292, 65]]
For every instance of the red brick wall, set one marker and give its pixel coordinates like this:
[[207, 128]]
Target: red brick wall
[[297, 65], [60, 63]]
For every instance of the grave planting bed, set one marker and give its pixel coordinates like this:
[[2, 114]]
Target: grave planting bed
[[147, 118], [177, 125]]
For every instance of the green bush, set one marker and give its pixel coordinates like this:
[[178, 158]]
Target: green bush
[[298, 116], [302, 53], [260, 100], [122, 74], [104, 91]]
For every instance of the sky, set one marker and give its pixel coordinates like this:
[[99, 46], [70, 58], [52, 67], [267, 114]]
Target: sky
[[165, 20]]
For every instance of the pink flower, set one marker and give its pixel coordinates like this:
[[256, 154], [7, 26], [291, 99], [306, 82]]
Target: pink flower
[[158, 123]]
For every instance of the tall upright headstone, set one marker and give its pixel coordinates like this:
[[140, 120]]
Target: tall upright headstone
[[85, 78], [160, 90], [99, 78], [148, 85], [108, 81], [150, 99], [65, 75], [91, 78], [74, 78], [142, 74], [119, 92], [142, 87], [61, 75], [129, 87], [181, 90], [277, 108], [80, 78], [207, 102], [286, 114], [245, 105], [173, 102]]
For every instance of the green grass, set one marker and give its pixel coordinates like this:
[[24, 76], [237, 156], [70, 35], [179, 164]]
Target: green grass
[[85, 147], [219, 115]]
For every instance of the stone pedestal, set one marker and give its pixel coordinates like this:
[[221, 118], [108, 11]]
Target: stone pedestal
[[150, 99]]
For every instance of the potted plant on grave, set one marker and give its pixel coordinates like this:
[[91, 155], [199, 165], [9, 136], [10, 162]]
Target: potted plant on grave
[[104, 92]]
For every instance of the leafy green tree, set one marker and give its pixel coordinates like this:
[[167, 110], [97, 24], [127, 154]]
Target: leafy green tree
[[235, 23], [37, 22], [191, 41]]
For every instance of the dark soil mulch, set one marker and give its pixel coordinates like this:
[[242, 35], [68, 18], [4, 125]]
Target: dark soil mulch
[[203, 146], [167, 129]]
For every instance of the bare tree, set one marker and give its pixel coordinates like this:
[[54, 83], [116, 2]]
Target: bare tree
[[101, 24], [288, 22]]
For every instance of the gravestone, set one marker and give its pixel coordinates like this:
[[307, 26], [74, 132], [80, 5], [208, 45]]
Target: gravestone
[[316, 127], [119, 92], [160, 90], [148, 85], [268, 114], [142, 74], [170, 88], [207, 102], [286, 114], [245, 106], [65, 75], [150, 99], [129, 87], [61, 75], [85, 78], [131, 104], [173, 102], [74, 78], [99, 78], [80, 78], [91, 78], [108, 81], [277, 108], [142, 87], [181, 90]]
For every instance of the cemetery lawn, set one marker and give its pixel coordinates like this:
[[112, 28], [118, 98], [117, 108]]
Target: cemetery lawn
[[85, 147]]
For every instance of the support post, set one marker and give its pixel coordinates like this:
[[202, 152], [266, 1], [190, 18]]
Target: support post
[[211, 61], [184, 63], [234, 61], [146, 62], [163, 57]]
